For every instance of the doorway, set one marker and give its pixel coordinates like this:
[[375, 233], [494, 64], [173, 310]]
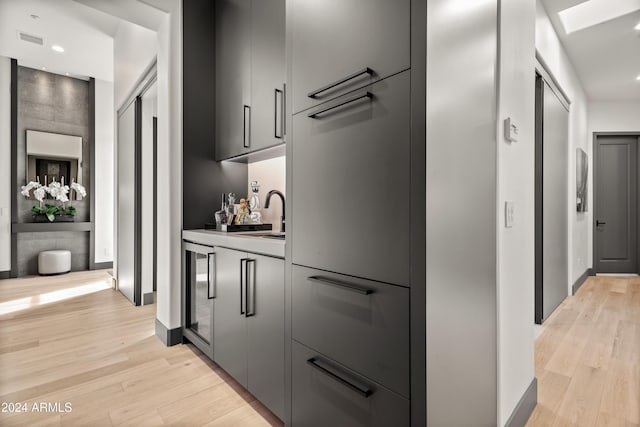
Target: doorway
[[615, 226], [551, 198]]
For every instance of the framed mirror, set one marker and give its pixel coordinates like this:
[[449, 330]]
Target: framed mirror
[[54, 156]]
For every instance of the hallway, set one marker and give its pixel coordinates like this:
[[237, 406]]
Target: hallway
[[588, 357], [72, 339]]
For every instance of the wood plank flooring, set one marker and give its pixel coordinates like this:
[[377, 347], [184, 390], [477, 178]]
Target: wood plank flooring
[[588, 358], [72, 339]]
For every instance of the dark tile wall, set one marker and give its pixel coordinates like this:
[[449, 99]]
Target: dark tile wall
[[52, 103]]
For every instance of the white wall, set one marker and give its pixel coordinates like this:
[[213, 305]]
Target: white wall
[[170, 162], [5, 164], [270, 175], [549, 47], [134, 47], [516, 168], [104, 172]]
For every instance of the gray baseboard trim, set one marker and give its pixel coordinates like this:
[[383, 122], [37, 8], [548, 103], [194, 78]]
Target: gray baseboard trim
[[168, 336], [581, 280], [102, 265], [525, 406], [5, 274], [148, 298]]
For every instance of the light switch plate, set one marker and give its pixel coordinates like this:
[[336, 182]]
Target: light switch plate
[[510, 130], [509, 214]]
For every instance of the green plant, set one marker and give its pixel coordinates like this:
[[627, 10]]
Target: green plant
[[52, 210]]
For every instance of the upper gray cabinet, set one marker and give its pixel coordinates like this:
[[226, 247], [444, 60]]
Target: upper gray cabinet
[[351, 156], [340, 45], [250, 75]]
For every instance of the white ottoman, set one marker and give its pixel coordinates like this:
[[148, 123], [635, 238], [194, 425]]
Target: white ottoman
[[54, 262]]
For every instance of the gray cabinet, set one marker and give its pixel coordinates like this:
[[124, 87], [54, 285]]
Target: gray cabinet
[[333, 40], [326, 393], [249, 323], [250, 74], [350, 156], [360, 323]]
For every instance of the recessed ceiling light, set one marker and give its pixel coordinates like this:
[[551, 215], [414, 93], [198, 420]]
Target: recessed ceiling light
[[638, 78], [44, 68], [57, 48], [637, 27], [593, 12], [66, 74]]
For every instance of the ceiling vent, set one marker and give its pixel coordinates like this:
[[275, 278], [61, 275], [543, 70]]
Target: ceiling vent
[[30, 38]]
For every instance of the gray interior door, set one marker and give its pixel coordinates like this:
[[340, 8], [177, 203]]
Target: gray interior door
[[127, 244], [616, 184], [552, 156]]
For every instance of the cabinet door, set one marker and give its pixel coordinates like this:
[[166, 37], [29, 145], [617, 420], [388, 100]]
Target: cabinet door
[[233, 77], [229, 321], [351, 174], [326, 393], [267, 73], [266, 331], [334, 39]]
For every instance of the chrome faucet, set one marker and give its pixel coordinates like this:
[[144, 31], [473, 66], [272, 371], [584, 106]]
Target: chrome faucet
[[268, 201]]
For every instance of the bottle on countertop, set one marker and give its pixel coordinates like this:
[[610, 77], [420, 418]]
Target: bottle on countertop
[[221, 215], [255, 217]]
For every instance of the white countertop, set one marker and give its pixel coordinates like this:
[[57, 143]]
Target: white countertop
[[244, 241]]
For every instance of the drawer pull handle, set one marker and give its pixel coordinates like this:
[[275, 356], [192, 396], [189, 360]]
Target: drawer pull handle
[[362, 392], [340, 284], [367, 95], [317, 92]]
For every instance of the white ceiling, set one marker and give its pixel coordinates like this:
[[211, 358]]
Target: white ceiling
[[606, 56], [85, 33]]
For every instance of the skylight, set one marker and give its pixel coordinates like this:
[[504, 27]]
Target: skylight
[[594, 12]]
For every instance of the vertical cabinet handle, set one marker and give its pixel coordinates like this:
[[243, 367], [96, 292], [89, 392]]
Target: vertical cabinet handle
[[278, 110], [250, 290], [211, 291], [246, 137], [243, 280]]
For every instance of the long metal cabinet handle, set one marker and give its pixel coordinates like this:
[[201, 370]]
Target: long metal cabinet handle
[[362, 392], [211, 291], [243, 279], [250, 293], [317, 92], [246, 125], [340, 284], [278, 122], [368, 95]]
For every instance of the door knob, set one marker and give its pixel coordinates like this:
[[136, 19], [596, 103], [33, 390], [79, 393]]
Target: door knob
[[599, 223]]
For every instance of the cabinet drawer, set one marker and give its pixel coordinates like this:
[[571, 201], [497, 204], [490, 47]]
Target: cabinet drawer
[[333, 39], [351, 191], [361, 324], [325, 393]]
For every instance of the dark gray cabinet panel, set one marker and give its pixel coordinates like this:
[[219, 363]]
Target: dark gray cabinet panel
[[332, 39], [229, 325], [249, 323], [346, 162], [325, 393], [267, 73], [266, 332], [233, 76], [250, 74], [362, 324]]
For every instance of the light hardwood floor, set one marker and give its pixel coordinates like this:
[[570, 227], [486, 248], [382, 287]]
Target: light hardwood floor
[[587, 358], [73, 339]]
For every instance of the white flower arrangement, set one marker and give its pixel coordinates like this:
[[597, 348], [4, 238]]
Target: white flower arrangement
[[58, 191]]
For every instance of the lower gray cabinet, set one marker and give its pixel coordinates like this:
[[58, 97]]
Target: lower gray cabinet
[[325, 393], [248, 325]]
